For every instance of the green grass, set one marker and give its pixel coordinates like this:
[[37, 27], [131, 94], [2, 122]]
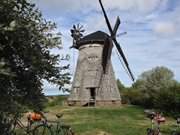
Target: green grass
[[125, 120]]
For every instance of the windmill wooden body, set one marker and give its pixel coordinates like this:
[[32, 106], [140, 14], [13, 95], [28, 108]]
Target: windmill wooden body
[[94, 81], [91, 85]]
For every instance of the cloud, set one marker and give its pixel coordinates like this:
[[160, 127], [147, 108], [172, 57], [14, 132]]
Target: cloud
[[94, 22], [135, 5], [165, 28], [165, 22], [85, 6], [152, 28]]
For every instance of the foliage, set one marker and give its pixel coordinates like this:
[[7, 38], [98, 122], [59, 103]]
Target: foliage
[[155, 79], [4, 128], [120, 85], [168, 100], [25, 59], [57, 100], [156, 88], [132, 96], [124, 92]]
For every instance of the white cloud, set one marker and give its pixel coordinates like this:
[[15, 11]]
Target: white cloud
[[137, 5], [165, 28], [94, 22], [146, 5], [85, 5], [144, 21]]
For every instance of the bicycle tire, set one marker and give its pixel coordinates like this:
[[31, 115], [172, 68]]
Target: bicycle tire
[[64, 130], [150, 131], [67, 131], [70, 132], [42, 130], [153, 131]]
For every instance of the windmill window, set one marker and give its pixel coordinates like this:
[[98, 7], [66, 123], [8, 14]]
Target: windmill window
[[76, 89]]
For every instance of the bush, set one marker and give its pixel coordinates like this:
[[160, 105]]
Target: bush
[[5, 124], [168, 100], [165, 100], [136, 97], [57, 100]]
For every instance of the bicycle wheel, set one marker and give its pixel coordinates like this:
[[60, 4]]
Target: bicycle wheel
[[70, 132], [42, 130], [157, 132], [67, 131], [150, 131], [64, 130]]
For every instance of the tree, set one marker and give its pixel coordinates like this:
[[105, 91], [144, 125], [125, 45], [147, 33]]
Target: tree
[[155, 79], [120, 85], [26, 39], [153, 83]]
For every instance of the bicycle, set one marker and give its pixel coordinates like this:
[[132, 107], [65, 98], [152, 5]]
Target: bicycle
[[53, 128], [24, 129], [155, 118]]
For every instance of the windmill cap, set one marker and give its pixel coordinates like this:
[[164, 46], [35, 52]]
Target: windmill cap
[[96, 37]]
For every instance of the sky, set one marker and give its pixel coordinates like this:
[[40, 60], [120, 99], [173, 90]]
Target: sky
[[152, 28]]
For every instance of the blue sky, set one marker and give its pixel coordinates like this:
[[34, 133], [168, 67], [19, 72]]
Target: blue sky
[[152, 28]]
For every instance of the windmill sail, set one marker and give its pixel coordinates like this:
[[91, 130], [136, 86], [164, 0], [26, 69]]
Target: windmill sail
[[106, 54], [113, 37], [106, 18], [124, 58]]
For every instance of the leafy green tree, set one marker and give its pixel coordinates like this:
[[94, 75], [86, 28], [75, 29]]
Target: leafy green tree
[[26, 39], [157, 78], [153, 84], [123, 91], [120, 85], [168, 100]]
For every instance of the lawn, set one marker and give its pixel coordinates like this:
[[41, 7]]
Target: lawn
[[124, 120]]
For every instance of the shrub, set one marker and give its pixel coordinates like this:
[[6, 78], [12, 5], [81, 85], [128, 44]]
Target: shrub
[[57, 100]]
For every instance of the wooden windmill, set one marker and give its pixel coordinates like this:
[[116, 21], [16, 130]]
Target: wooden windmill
[[94, 80]]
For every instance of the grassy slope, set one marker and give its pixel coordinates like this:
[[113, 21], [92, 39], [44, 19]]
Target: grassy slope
[[125, 120]]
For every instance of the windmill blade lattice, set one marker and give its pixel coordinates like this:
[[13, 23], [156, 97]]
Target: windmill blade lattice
[[77, 34], [77, 31]]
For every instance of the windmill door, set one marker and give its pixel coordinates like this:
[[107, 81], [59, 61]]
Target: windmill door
[[92, 94]]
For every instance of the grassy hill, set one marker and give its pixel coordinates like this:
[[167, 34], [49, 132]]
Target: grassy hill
[[124, 120]]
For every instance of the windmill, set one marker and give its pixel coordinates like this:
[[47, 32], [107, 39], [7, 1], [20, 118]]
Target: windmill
[[94, 80]]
